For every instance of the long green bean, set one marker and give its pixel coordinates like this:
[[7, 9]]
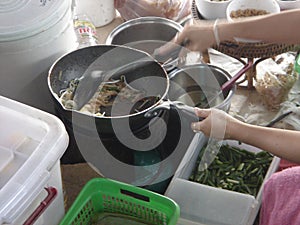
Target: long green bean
[[233, 169]]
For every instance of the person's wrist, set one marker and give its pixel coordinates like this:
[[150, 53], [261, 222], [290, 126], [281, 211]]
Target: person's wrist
[[231, 127]]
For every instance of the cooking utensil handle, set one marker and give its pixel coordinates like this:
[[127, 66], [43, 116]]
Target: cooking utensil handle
[[228, 85], [52, 193], [177, 105]]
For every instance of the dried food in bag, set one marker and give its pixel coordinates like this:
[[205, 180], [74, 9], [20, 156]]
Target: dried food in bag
[[170, 9], [275, 78]]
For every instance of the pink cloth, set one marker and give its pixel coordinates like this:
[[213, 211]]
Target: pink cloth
[[284, 164], [281, 198]]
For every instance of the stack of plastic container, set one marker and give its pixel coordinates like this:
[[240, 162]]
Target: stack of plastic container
[[206, 205], [31, 145]]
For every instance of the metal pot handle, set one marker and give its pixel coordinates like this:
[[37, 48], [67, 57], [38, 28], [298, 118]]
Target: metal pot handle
[[187, 111]]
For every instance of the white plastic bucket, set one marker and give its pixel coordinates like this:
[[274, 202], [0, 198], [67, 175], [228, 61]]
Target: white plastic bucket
[[100, 12], [33, 34]]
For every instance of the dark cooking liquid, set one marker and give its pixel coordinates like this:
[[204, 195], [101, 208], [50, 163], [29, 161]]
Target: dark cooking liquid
[[200, 99]]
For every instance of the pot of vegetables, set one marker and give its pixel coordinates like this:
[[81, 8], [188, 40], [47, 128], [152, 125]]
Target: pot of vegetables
[[135, 91]]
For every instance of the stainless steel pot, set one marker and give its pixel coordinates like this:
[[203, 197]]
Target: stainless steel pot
[[146, 34], [198, 84]]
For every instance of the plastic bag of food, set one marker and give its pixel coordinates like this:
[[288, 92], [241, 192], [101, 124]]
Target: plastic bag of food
[[275, 78], [171, 9]]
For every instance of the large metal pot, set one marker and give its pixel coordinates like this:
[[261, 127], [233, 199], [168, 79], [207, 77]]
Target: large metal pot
[[151, 78], [146, 34]]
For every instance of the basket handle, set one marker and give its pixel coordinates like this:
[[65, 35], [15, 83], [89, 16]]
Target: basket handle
[[52, 193], [135, 195]]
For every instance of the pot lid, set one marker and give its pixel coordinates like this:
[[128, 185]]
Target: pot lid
[[24, 18]]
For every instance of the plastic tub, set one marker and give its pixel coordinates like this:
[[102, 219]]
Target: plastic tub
[[206, 205], [31, 145], [33, 34]]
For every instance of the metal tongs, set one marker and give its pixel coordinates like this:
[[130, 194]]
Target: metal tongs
[[94, 75]]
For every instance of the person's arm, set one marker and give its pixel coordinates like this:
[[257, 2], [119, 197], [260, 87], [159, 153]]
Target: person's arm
[[282, 143], [274, 28]]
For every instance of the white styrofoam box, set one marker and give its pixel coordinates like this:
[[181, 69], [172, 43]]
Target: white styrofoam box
[[205, 205], [31, 145]]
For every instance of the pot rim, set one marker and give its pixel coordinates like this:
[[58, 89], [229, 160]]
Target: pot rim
[[146, 20], [56, 97], [141, 20]]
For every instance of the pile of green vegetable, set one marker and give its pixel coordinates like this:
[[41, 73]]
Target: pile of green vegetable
[[233, 169]]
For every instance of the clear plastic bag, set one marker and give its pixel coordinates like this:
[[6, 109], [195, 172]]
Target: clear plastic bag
[[171, 9], [275, 78]]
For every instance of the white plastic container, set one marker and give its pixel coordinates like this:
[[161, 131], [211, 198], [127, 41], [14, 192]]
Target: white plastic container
[[270, 6], [100, 12], [33, 34], [31, 145], [205, 205], [212, 9]]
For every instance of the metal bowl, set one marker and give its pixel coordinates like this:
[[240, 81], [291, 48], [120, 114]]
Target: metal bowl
[[198, 85], [144, 33]]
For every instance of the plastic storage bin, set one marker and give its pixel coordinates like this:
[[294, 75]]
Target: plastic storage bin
[[206, 205], [31, 145], [102, 199]]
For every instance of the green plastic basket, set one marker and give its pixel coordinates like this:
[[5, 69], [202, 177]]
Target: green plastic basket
[[104, 198]]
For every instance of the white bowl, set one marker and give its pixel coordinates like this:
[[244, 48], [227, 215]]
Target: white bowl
[[212, 9], [288, 4], [271, 6]]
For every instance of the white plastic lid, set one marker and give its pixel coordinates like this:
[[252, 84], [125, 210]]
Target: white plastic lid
[[31, 143], [24, 18]]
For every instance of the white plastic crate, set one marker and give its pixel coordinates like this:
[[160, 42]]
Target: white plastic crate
[[206, 205], [31, 145]]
